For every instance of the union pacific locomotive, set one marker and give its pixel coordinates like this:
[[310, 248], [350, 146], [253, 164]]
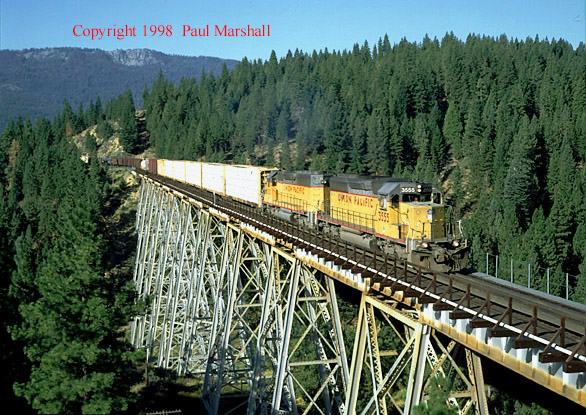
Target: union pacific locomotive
[[400, 217]]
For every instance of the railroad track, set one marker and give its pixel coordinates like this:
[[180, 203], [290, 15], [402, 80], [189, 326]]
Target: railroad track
[[531, 318]]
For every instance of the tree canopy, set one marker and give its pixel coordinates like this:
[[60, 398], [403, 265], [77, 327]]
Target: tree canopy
[[64, 311]]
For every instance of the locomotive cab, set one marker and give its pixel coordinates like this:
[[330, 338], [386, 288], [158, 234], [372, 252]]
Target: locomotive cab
[[413, 214], [425, 218]]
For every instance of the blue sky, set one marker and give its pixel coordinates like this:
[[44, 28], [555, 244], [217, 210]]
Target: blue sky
[[306, 25]]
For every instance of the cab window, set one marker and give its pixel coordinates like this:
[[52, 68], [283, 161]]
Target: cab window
[[395, 202], [417, 197]]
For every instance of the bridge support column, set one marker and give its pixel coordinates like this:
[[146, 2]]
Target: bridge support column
[[357, 358], [421, 337], [283, 357], [477, 378], [376, 321], [221, 357], [176, 267], [268, 339], [311, 347], [149, 230]]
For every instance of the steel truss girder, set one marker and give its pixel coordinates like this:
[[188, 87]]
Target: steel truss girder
[[311, 342], [243, 314], [423, 358]]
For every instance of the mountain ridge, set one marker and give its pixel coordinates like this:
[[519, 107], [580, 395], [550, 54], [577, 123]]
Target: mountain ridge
[[36, 82]]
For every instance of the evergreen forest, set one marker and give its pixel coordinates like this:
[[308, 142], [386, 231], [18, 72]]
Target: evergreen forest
[[65, 299]]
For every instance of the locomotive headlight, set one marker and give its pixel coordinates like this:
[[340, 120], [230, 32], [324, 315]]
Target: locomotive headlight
[[455, 243], [419, 188], [425, 245]]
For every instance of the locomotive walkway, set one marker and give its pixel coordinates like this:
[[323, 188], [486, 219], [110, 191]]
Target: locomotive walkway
[[248, 303]]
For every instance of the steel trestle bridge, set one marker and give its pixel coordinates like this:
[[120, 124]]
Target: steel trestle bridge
[[247, 304]]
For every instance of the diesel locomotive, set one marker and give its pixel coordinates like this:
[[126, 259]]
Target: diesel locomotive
[[400, 217]]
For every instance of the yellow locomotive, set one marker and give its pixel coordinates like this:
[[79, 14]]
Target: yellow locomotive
[[398, 216]]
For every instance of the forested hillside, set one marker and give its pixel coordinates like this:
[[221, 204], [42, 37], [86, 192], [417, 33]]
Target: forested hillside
[[35, 82], [63, 302], [499, 123]]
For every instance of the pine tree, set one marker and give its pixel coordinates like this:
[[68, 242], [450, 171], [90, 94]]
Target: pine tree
[[337, 142], [453, 129], [358, 152], [377, 146], [104, 129], [437, 402], [521, 183], [285, 156], [563, 210], [128, 131]]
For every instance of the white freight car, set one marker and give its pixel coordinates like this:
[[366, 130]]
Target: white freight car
[[193, 173], [178, 170], [244, 183], [162, 169], [212, 177]]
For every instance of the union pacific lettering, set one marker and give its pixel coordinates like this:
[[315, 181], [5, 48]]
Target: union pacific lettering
[[356, 200], [293, 188]]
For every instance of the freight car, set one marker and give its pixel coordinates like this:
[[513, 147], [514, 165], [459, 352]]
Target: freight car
[[400, 217], [125, 162], [240, 182]]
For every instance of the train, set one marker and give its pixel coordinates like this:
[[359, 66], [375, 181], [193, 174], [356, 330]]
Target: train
[[395, 216]]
